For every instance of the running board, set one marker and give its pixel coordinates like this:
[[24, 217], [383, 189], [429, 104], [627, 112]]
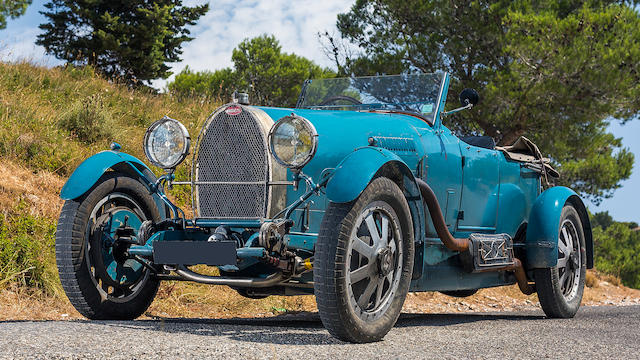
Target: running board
[[488, 252]]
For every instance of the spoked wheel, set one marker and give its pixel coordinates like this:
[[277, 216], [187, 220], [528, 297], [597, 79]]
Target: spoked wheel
[[569, 260], [92, 237], [364, 259], [116, 277], [560, 288], [374, 261]]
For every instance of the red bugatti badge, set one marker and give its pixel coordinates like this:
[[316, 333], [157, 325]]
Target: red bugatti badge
[[233, 110]]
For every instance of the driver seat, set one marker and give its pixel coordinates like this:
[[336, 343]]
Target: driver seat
[[486, 142]]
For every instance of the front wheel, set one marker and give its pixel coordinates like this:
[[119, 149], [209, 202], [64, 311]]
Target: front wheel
[[560, 288], [98, 278], [363, 263]]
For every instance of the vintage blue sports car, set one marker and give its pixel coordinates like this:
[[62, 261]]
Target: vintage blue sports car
[[358, 195]]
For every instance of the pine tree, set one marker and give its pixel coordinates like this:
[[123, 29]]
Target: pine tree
[[132, 40], [12, 9], [557, 72], [270, 76]]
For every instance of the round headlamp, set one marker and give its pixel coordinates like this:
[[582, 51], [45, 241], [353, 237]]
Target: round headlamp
[[293, 141], [166, 143]]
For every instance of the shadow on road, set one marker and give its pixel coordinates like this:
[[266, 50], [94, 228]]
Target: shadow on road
[[289, 329], [312, 320]]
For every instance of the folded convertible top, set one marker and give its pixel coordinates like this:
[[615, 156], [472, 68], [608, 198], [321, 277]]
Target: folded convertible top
[[525, 151]]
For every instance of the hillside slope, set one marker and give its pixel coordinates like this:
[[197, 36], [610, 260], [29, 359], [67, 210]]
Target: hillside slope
[[52, 119]]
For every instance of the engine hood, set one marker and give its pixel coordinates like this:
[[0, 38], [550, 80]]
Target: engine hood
[[341, 132]]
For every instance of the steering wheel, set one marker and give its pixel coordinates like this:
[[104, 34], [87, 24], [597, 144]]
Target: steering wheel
[[340, 97]]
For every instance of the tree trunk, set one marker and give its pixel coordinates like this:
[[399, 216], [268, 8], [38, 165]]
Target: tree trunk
[[510, 137]]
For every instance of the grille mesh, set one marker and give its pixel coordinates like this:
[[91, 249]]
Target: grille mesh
[[232, 149]]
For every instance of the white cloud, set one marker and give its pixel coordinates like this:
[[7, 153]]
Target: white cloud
[[294, 23], [20, 45]]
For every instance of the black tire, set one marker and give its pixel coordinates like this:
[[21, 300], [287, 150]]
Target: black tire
[[335, 295], [557, 299], [460, 293], [73, 256]]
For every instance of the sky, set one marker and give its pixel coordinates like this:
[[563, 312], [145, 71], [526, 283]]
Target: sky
[[296, 24]]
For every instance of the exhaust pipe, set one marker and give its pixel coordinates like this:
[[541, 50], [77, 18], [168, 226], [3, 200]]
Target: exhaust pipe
[[461, 245], [448, 240], [521, 277], [271, 280]]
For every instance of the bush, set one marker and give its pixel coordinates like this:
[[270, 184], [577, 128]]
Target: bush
[[89, 121], [27, 249], [270, 76], [616, 250]]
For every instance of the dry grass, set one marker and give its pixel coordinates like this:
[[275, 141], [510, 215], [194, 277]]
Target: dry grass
[[33, 99], [40, 190]]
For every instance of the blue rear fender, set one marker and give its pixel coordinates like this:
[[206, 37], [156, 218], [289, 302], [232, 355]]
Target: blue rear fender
[[86, 175], [544, 226]]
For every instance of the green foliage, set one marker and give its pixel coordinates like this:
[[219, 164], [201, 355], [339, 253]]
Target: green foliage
[[601, 219], [12, 9], [557, 72], [35, 101], [88, 121], [27, 249], [616, 249], [217, 84], [270, 76], [129, 40]]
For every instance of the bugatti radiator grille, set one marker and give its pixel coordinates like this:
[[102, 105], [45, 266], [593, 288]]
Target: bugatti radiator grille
[[232, 167]]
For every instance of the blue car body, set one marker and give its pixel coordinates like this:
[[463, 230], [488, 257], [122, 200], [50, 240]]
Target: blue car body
[[479, 190]]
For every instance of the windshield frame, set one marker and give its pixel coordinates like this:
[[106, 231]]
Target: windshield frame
[[431, 120]]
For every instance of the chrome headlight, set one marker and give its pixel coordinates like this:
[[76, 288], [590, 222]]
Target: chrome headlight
[[166, 143], [293, 141]]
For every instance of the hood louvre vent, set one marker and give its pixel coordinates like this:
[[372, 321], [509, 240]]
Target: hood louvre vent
[[396, 144]]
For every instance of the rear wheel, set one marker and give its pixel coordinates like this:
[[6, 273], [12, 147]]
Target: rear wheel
[[560, 288], [363, 263], [99, 280]]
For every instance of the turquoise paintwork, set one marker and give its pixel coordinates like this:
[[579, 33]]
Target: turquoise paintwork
[[478, 190], [130, 270], [354, 173], [341, 133], [544, 226], [90, 170]]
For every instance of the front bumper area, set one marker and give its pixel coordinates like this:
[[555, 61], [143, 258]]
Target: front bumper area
[[214, 253]]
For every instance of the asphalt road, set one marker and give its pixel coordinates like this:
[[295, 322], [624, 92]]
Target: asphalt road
[[595, 333]]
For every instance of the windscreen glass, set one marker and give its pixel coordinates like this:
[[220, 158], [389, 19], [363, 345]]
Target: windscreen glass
[[418, 93]]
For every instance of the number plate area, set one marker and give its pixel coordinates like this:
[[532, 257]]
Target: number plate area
[[490, 251], [213, 253]]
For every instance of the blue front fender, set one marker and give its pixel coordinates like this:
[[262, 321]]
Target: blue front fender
[[90, 170], [544, 226], [356, 171]]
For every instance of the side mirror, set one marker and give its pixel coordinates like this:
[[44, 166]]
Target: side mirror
[[468, 99], [469, 96]]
